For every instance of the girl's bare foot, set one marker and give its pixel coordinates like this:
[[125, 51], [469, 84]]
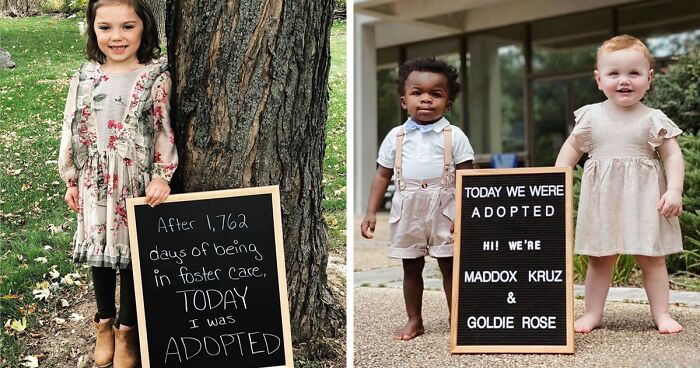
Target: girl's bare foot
[[412, 329], [587, 323], [667, 325]]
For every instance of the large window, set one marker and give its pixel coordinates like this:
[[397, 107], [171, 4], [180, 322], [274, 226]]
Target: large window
[[667, 28], [554, 101], [494, 91], [388, 105], [563, 60], [493, 108], [569, 43]]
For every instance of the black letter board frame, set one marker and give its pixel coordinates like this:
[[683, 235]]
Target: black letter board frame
[[271, 195], [469, 237]]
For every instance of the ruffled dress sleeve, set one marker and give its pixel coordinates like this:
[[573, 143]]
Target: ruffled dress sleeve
[[661, 128], [582, 130], [165, 158], [66, 167]]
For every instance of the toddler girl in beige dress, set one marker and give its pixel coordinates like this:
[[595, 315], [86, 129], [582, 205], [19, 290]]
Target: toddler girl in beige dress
[[629, 203]]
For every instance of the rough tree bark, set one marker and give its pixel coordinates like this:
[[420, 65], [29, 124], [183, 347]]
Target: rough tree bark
[[14, 7], [158, 8], [250, 106]]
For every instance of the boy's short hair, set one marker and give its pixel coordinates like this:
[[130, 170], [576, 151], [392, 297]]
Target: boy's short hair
[[149, 48], [622, 42], [430, 65]]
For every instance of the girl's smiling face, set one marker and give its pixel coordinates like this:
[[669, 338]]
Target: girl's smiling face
[[624, 76], [118, 29], [426, 96]]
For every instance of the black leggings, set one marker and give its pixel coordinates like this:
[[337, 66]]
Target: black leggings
[[105, 281]]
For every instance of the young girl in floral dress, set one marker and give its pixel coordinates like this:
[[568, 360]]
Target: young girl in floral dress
[[116, 143]]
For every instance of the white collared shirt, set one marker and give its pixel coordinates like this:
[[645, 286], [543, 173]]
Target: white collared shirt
[[423, 153]]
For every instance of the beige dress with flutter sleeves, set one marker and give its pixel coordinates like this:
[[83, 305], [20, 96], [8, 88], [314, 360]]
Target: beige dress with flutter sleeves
[[622, 182]]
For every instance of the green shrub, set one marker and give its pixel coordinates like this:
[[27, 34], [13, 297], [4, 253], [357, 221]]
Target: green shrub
[[689, 260], [77, 6], [677, 92], [52, 6], [63, 6]]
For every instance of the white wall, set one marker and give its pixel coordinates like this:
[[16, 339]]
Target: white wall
[[365, 111]]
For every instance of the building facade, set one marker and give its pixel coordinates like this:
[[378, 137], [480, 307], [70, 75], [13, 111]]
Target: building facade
[[524, 65]]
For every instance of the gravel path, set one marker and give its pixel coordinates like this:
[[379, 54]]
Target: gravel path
[[627, 338]]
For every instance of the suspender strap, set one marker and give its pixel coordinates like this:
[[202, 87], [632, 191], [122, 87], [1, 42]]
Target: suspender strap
[[397, 159], [448, 153], [399, 148], [448, 146]]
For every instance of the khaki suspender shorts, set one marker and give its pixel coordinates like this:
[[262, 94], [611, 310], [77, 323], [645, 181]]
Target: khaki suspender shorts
[[422, 211]]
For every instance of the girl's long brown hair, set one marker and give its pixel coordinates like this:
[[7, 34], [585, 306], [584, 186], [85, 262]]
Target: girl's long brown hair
[[149, 48]]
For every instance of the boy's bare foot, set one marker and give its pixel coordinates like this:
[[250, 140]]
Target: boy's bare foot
[[587, 323], [667, 325], [412, 329]]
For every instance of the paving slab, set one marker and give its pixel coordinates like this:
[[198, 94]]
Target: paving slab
[[626, 339]]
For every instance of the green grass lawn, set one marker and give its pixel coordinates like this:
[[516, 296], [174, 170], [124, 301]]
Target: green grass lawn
[[35, 224], [334, 173]]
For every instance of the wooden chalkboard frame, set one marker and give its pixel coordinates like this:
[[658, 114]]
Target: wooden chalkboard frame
[[479, 349], [279, 252]]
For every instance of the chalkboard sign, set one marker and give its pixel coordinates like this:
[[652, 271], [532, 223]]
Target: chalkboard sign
[[512, 285], [210, 281]]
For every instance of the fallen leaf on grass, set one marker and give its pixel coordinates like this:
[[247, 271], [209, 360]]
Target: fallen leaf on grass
[[53, 229], [19, 325], [30, 310], [42, 291], [31, 361], [41, 294], [54, 274], [59, 321], [41, 259], [64, 303], [72, 279], [82, 361], [67, 279], [75, 317]]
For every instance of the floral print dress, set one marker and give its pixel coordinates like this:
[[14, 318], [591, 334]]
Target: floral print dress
[[137, 147]]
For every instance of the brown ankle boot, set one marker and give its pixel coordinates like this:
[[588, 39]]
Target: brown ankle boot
[[126, 349], [104, 346]]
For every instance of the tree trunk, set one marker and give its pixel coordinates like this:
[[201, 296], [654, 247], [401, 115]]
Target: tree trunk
[[158, 8], [14, 8], [250, 103]]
